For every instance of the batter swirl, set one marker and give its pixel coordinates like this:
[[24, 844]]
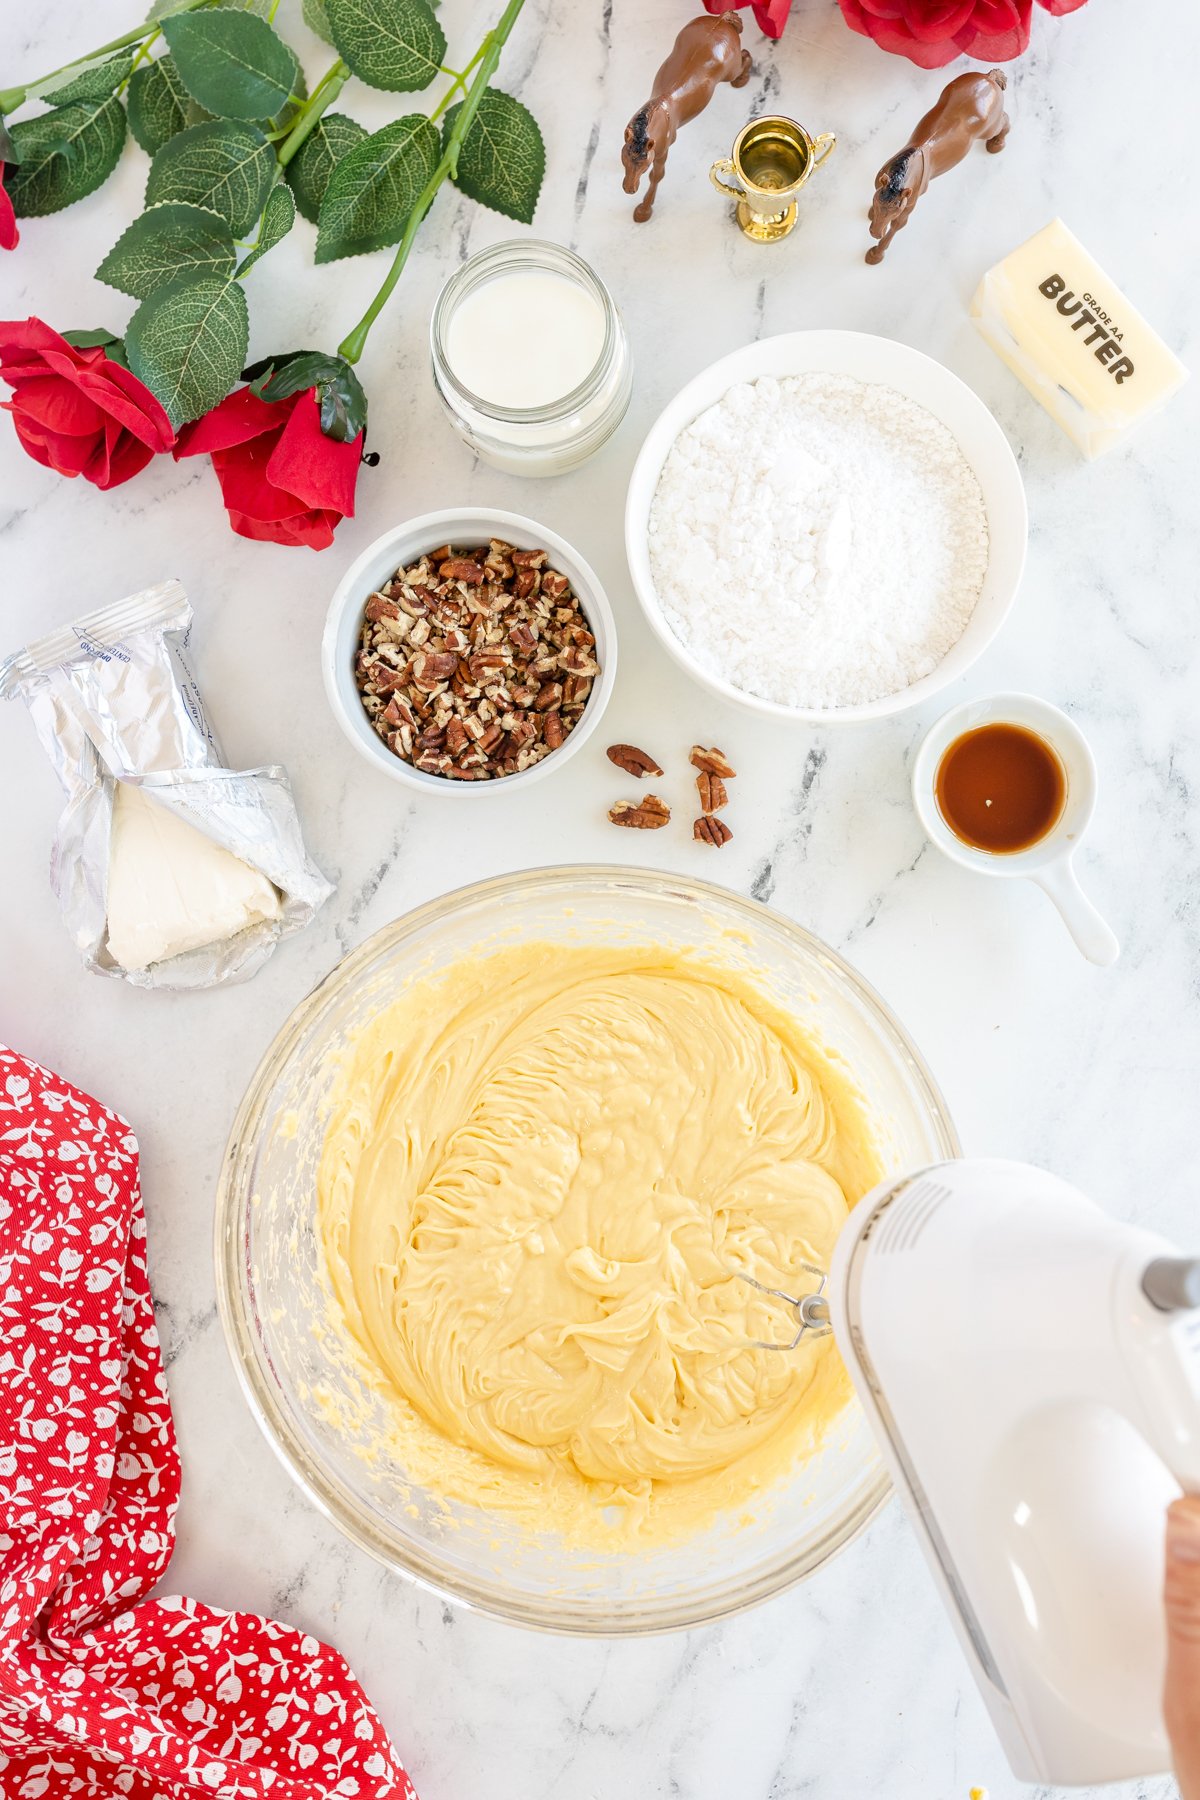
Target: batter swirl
[[539, 1179]]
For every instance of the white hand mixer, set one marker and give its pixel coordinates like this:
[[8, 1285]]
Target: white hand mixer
[[1031, 1369]]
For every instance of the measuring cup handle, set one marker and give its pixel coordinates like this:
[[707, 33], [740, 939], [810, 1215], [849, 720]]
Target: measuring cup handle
[[725, 167], [1080, 917], [822, 147]]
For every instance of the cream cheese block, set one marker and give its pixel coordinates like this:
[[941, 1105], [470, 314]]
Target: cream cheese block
[[170, 888], [1067, 331]]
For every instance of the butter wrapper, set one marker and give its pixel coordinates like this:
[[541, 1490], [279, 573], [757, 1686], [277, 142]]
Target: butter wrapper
[[119, 715], [1067, 331]]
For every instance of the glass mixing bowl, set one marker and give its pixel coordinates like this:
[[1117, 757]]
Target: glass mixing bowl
[[314, 1404]]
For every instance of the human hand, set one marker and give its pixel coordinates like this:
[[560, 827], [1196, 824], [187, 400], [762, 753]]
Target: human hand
[[1181, 1696]]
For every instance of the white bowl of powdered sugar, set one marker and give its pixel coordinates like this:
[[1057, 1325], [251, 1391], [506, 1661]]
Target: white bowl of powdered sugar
[[826, 526]]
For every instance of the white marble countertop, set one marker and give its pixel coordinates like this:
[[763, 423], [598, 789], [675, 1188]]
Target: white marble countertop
[[851, 1686]]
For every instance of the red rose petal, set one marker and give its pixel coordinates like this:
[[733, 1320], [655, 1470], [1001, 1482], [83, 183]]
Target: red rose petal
[[311, 530], [932, 33], [30, 445], [124, 457], [57, 406], [316, 468], [246, 486], [10, 237], [935, 24], [1000, 42], [131, 403], [240, 417], [55, 450], [772, 16]]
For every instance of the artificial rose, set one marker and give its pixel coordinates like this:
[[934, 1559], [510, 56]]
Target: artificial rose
[[10, 237], [75, 409], [769, 15], [933, 32], [282, 480]]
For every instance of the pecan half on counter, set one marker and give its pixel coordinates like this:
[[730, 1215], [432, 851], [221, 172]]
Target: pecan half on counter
[[632, 760], [475, 663], [713, 793], [641, 815], [711, 830]]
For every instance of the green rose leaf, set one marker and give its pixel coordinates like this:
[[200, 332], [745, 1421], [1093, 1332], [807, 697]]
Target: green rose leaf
[[96, 82], [157, 104], [8, 150], [340, 395], [314, 162], [168, 241], [232, 63], [163, 9], [279, 215], [187, 342], [373, 188], [224, 166], [108, 341], [64, 154], [392, 44], [502, 159], [317, 19]]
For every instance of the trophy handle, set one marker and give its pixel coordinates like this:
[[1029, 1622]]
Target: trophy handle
[[723, 166], [822, 146]]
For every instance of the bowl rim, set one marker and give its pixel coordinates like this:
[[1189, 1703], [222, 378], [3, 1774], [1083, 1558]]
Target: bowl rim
[[338, 1505], [643, 481], [351, 594]]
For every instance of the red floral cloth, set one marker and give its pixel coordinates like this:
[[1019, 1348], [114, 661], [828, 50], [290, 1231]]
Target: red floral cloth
[[103, 1692]]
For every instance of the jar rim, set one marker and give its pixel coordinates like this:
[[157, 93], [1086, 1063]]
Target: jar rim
[[483, 266]]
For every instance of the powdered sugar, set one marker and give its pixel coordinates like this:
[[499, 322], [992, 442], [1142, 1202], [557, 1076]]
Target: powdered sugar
[[818, 541]]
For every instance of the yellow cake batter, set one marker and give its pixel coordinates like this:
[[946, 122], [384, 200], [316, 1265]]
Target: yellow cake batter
[[537, 1181]]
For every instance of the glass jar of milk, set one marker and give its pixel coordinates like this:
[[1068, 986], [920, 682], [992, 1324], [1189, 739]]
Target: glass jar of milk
[[530, 357]]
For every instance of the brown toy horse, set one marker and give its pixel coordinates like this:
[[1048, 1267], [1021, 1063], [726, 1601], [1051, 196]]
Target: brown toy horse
[[706, 52], [968, 108]]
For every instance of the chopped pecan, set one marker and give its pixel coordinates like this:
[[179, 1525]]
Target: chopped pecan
[[712, 791], [711, 830], [711, 762], [461, 568], [642, 815], [379, 608], [632, 760]]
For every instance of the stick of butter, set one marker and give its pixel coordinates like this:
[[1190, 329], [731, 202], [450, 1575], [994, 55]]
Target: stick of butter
[[1067, 331]]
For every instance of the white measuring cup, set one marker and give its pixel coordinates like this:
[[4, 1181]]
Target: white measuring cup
[[1049, 861]]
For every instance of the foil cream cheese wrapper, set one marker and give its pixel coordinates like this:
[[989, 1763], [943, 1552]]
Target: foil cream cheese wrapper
[[113, 699]]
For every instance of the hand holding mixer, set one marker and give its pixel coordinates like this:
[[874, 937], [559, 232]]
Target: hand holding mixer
[[1031, 1368]]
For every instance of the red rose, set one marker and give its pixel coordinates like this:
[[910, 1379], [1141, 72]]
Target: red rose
[[933, 32], [282, 479], [75, 409], [770, 15], [9, 235]]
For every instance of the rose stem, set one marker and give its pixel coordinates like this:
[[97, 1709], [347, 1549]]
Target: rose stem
[[13, 97], [306, 120], [351, 347]]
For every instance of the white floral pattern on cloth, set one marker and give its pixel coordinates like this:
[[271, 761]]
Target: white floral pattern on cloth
[[103, 1692]]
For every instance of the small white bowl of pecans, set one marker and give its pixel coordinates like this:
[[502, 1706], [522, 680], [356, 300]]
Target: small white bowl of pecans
[[466, 648]]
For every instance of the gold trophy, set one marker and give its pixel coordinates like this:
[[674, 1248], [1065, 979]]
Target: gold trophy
[[771, 161]]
